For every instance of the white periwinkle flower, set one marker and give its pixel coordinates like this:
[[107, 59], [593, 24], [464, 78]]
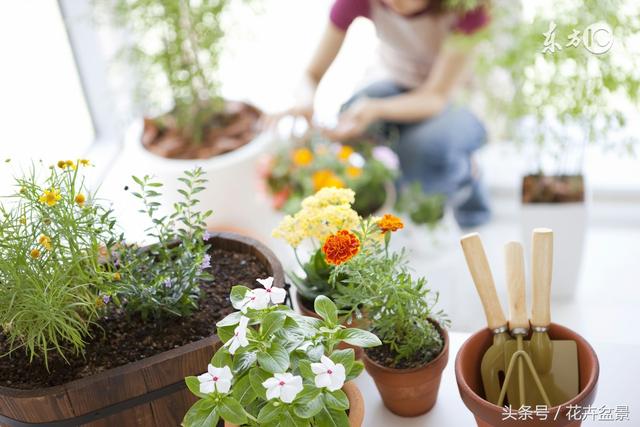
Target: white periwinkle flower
[[283, 386], [239, 338], [258, 299], [328, 374], [215, 380]]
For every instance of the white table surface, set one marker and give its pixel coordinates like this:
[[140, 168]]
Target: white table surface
[[618, 385]]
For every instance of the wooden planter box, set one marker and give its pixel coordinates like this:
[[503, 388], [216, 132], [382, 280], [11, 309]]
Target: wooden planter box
[[149, 392]]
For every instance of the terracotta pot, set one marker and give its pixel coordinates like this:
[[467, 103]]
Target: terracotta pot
[[356, 405], [410, 392], [487, 414], [148, 392], [304, 310]]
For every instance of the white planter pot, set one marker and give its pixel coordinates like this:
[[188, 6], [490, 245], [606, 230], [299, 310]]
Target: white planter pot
[[232, 191], [568, 222]]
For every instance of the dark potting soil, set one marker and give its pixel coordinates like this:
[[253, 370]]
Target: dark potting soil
[[384, 356], [120, 339]]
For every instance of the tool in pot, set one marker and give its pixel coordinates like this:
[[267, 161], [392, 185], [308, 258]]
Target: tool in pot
[[554, 363], [492, 367]]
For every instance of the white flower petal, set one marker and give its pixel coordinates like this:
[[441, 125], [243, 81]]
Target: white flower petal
[[223, 385], [323, 380], [278, 295], [318, 368], [234, 344], [267, 283], [288, 393], [270, 383], [205, 377], [337, 378], [207, 387], [225, 373], [244, 322], [259, 299], [273, 393], [327, 362]]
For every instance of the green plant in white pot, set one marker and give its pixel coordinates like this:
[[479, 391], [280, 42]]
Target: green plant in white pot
[[562, 75], [278, 368], [172, 49]]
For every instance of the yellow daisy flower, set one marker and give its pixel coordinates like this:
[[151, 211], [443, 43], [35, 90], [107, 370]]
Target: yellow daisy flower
[[45, 241], [326, 178], [84, 162], [62, 164], [23, 220], [80, 199], [50, 197], [70, 164], [117, 276], [35, 253]]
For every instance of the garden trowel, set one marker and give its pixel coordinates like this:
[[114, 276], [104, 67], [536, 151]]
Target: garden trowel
[[492, 367], [555, 361]]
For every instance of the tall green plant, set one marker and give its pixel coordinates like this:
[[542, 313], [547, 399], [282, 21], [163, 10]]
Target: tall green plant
[[54, 279], [175, 44], [561, 95]]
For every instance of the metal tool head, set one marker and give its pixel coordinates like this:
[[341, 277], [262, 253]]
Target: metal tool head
[[492, 367], [561, 382]]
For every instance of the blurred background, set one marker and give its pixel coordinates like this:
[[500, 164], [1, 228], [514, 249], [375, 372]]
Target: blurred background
[[66, 92]]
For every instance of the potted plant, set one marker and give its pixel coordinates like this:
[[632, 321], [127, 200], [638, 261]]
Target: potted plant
[[278, 368], [321, 214], [408, 366], [316, 163], [95, 330], [565, 89], [174, 48]]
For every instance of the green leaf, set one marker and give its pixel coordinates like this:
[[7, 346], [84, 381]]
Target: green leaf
[[331, 418], [231, 319], [275, 360], [231, 411], [326, 309], [336, 400], [359, 337], [345, 357], [202, 414], [243, 392], [237, 294], [243, 360], [305, 369], [355, 371], [308, 408], [269, 412], [271, 323], [222, 358], [257, 376], [194, 386], [225, 333]]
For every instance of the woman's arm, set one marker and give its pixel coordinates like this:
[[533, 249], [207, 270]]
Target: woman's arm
[[423, 102]]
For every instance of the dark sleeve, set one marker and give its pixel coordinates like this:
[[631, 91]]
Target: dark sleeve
[[344, 12], [472, 21]]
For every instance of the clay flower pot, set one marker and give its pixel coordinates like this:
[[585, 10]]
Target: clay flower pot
[[356, 405], [410, 392], [487, 414], [305, 311]]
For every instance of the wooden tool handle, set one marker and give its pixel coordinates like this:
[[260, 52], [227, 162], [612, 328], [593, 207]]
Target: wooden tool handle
[[482, 278], [514, 257], [541, 271]]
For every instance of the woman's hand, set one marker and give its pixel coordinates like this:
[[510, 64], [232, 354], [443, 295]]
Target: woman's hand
[[355, 120]]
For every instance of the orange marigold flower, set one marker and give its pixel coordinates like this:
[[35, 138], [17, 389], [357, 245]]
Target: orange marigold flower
[[345, 152], [80, 199], [390, 223], [35, 253], [341, 247], [302, 157], [354, 172], [326, 178]]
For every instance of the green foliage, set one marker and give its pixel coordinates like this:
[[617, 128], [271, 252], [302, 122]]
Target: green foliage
[[422, 208], [316, 277], [570, 96], [54, 279], [378, 283], [176, 46], [165, 278], [279, 341]]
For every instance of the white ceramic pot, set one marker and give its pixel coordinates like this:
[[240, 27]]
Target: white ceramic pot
[[569, 223], [233, 189]]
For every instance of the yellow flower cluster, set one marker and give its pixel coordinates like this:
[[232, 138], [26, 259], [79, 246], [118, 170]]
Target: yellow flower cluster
[[322, 214]]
